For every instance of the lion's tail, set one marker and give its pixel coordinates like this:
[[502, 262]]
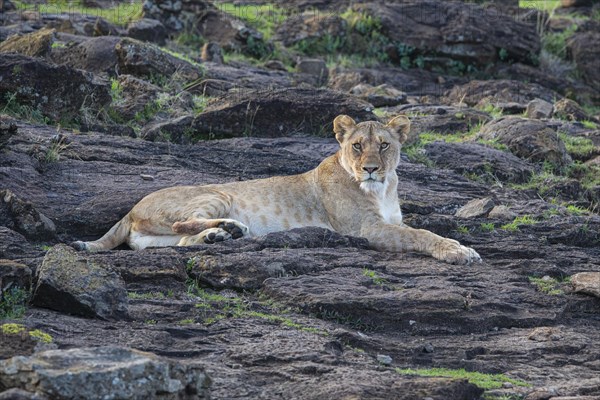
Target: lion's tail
[[117, 235]]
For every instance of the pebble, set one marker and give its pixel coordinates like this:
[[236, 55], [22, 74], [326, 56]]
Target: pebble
[[384, 359]]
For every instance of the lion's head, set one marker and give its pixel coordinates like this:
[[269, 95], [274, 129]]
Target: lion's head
[[370, 151]]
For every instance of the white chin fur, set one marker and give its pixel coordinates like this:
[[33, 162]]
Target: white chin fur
[[374, 187]]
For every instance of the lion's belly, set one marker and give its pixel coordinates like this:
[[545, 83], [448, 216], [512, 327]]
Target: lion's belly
[[267, 221]]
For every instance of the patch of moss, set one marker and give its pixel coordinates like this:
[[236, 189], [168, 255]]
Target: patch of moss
[[374, 277], [12, 329], [17, 329], [484, 381], [40, 336]]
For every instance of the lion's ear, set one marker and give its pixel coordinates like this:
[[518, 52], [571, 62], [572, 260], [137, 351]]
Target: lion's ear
[[400, 125], [342, 125]]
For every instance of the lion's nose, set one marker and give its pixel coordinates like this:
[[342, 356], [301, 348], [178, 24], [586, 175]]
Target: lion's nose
[[370, 170]]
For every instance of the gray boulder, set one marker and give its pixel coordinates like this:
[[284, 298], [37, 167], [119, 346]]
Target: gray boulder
[[73, 284], [104, 373]]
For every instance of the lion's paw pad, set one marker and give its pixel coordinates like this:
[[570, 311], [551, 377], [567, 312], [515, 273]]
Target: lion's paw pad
[[234, 228], [214, 235]]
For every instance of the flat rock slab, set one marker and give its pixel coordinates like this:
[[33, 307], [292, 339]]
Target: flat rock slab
[[587, 282], [104, 373], [72, 283]]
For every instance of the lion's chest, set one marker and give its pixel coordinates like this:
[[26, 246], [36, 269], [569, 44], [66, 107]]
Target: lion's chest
[[389, 210]]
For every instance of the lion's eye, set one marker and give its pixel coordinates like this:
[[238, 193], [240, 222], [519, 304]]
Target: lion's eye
[[357, 146], [384, 146]]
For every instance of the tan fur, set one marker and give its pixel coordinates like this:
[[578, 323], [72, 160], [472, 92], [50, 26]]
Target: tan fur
[[353, 192]]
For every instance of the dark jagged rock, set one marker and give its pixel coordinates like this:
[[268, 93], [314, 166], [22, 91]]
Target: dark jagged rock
[[584, 48], [414, 82], [33, 83], [73, 284], [145, 60], [499, 92], [13, 275], [95, 55], [24, 218], [148, 30], [257, 113], [479, 160], [528, 139], [455, 30]]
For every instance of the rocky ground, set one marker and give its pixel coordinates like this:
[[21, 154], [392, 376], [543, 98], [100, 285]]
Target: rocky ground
[[102, 103]]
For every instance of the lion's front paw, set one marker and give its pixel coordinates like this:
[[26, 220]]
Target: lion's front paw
[[452, 252]]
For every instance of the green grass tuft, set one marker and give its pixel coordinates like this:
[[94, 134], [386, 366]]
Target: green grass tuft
[[484, 381], [488, 226], [548, 285], [121, 14], [514, 225]]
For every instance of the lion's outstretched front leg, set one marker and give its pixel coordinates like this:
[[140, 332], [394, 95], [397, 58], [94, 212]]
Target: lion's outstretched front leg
[[387, 237], [200, 230]]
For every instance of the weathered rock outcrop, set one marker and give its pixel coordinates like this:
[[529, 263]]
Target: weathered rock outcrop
[[476, 159], [499, 92], [258, 113], [528, 139], [104, 372], [455, 30], [67, 283], [32, 82]]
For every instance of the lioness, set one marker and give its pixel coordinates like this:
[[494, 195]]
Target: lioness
[[353, 192]]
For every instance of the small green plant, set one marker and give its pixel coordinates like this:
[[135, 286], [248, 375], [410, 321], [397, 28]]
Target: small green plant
[[556, 42], [150, 322], [14, 108], [488, 226], [146, 296], [514, 225], [200, 103], [589, 124], [186, 321], [462, 229], [548, 285], [374, 277], [55, 150], [13, 303], [503, 54], [484, 381], [576, 210], [495, 112]]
